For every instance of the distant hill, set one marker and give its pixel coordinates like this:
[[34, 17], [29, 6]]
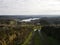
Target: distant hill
[[51, 20], [18, 17], [27, 16]]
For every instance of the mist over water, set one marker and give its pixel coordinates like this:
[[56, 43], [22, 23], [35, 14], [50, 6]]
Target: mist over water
[[28, 20]]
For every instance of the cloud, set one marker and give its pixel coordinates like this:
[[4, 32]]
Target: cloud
[[29, 7], [42, 6]]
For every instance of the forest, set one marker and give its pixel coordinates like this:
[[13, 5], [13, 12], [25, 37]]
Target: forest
[[14, 32]]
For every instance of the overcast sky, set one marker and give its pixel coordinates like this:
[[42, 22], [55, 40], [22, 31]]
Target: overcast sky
[[30, 7]]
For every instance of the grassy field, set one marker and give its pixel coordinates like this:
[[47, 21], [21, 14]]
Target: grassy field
[[26, 42], [38, 41]]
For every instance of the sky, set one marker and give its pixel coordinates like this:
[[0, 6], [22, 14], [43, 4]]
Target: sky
[[29, 7]]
